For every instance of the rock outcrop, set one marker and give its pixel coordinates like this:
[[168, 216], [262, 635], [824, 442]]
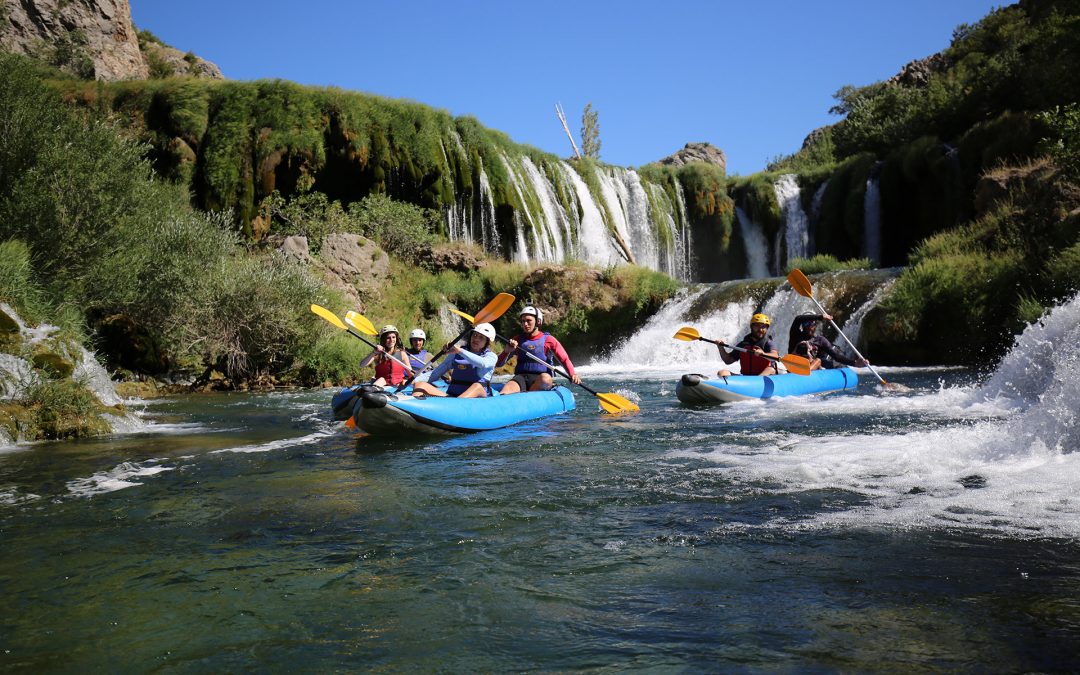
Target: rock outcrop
[[92, 39], [917, 73], [697, 152]]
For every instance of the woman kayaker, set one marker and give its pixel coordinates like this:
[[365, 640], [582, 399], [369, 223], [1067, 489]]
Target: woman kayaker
[[387, 370], [529, 374], [418, 356], [804, 341], [470, 368], [759, 344]]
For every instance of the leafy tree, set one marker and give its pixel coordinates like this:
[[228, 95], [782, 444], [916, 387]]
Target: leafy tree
[[590, 132]]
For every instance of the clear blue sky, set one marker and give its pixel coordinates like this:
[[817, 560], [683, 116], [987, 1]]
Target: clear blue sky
[[751, 78]]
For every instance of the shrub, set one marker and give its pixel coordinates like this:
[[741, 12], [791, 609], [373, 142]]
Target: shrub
[[827, 263]]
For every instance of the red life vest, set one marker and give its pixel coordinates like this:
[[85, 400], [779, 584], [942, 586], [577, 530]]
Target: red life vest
[[751, 363], [389, 369]]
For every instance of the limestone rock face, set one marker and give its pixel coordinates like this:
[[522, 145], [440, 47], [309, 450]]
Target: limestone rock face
[[697, 152], [354, 265], [917, 73], [98, 30], [181, 63]]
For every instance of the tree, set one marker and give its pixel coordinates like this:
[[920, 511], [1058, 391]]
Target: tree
[[590, 132]]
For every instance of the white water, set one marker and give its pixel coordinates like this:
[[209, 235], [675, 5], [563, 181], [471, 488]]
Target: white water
[[815, 216], [1002, 457], [797, 225], [757, 249], [853, 326], [872, 221], [595, 245]]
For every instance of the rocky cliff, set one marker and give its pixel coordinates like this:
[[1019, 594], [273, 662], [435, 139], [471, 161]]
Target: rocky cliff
[[92, 39]]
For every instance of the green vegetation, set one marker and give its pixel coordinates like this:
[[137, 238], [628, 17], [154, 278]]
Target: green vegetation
[[590, 132], [827, 263], [1063, 141]]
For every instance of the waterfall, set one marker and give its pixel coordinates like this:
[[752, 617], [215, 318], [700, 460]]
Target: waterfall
[[815, 216], [757, 249], [872, 221], [853, 326], [595, 245], [797, 225], [559, 219]]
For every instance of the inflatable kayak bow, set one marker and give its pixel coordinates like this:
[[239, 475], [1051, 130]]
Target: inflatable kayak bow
[[693, 388]]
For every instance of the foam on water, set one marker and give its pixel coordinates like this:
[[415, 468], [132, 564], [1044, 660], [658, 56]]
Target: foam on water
[[1006, 462], [117, 478]]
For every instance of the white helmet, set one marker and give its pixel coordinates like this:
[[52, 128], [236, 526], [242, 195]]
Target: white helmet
[[535, 311], [485, 329], [389, 328], [417, 333]]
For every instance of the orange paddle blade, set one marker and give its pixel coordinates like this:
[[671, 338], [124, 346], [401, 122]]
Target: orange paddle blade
[[800, 283]]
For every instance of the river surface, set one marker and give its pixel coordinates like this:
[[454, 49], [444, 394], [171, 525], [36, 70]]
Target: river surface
[[931, 529]]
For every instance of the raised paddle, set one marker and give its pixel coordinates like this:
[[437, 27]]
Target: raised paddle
[[334, 320], [804, 288], [491, 312], [799, 365], [612, 403]]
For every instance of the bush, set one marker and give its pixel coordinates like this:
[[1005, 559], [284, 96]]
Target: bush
[[402, 229], [1063, 141], [827, 263]]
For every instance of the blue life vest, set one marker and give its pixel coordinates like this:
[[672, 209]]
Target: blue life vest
[[534, 346], [419, 360], [464, 374]]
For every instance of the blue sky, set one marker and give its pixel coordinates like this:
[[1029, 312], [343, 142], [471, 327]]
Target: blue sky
[[751, 78]]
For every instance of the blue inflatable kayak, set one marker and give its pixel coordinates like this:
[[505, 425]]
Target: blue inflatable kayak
[[693, 388], [387, 413]]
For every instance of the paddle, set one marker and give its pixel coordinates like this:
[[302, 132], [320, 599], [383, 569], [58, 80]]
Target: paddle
[[611, 402], [804, 288], [355, 322], [795, 364], [490, 312]]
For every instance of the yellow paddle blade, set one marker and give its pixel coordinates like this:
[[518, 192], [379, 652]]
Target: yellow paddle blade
[[463, 315], [329, 316], [800, 365], [360, 323], [494, 309], [613, 403], [687, 334], [800, 283]]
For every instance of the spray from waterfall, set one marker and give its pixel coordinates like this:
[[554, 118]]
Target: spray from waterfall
[[872, 221], [797, 225], [757, 249]]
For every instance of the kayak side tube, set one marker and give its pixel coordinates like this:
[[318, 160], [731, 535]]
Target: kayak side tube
[[693, 388], [382, 413]]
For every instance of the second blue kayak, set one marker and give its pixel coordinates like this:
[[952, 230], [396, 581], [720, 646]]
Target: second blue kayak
[[693, 388]]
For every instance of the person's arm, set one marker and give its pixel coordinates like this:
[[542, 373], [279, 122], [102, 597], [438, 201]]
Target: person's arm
[[835, 354], [726, 356], [440, 370], [770, 350], [511, 346], [366, 361]]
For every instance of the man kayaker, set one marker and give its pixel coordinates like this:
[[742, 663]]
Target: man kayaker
[[418, 356], [758, 343], [804, 341], [387, 370], [470, 368], [529, 374]]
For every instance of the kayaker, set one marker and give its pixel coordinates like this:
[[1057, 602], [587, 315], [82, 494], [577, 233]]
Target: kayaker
[[759, 343], [531, 375], [418, 356], [387, 370], [470, 368], [804, 341]]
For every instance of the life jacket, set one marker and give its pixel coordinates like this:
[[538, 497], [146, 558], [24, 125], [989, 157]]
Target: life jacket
[[418, 360], [534, 346], [751, 363], [389, 369], [463, 374]]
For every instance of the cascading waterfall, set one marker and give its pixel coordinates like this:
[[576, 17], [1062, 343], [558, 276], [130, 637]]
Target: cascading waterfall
[[797, 225], [815, 216], [757, 249], [569, 222], [853, 326], [872, 221]]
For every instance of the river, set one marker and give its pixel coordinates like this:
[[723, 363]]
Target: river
[[936, 528]]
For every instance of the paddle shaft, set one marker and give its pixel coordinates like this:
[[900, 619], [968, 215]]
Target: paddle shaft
[[853, 347], [442, 352], [718, 343], [536, 358]]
